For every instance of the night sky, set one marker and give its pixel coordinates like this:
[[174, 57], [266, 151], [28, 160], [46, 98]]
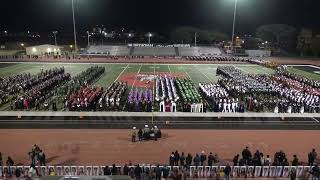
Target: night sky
[[156, 15]]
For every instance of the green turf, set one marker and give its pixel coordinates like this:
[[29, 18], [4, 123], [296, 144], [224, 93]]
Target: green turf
[[197, 73], [309, 75]]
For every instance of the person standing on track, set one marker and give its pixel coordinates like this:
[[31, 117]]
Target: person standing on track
[[312, 156]]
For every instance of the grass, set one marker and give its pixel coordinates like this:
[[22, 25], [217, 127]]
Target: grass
[[310, 75]]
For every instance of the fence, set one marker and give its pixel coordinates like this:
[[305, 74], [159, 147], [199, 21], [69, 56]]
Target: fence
[[191, 172]]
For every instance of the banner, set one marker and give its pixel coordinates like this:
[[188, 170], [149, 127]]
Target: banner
[[66, 171], [96, 171], [88, 170], [286, 172], [265, 171], [250, 171], [81, 171], [257, 171], [192, 171]]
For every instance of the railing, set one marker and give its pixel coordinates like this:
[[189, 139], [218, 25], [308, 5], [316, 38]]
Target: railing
[[191, 171]]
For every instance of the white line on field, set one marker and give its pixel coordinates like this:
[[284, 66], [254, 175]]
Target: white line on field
[[135, 79], [204, 74], [186, 73], [169, 69], [121, 73]]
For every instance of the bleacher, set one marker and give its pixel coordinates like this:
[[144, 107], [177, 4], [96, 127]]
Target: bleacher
[[199, 51], [154, 51], [109, 50]]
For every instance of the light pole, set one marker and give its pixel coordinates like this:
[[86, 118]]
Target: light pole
[[88, 38], [74, 27], [149, 37], [129, 36], [55, 37], [234, 23]]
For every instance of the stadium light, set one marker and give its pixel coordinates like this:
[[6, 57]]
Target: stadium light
[[74, 26], [22, 44], [234, 22], [88, 33], [149, 37], [55, 37]]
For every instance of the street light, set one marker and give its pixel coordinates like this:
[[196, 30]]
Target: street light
[[88, 33], [74, 26], [149, 37], [234, 23], [55, 37]]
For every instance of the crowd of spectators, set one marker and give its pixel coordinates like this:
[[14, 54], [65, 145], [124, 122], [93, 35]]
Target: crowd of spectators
[[181, 166]]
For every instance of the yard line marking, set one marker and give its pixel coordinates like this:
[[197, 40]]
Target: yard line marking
[[135, 79], [204, 74], [186, 73], [169, 69], [121, 73]]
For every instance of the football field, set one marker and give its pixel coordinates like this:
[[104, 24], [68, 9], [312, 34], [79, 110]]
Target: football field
[[134, 72]]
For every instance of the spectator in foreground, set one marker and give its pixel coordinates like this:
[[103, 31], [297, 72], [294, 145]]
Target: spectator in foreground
[[171, 159], [176, 158], [236, 160], [295, 161], [42, 158], [189, 160], [203, 158], [267, 161], [312, 156], [158, 171], [9, 162], [196, 160], [210, 159], [137, 172], [126, 170], [165, 172], [246, 154], [114, 170], [106, 171], [315, 172], [182, 159], [227, 172]]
